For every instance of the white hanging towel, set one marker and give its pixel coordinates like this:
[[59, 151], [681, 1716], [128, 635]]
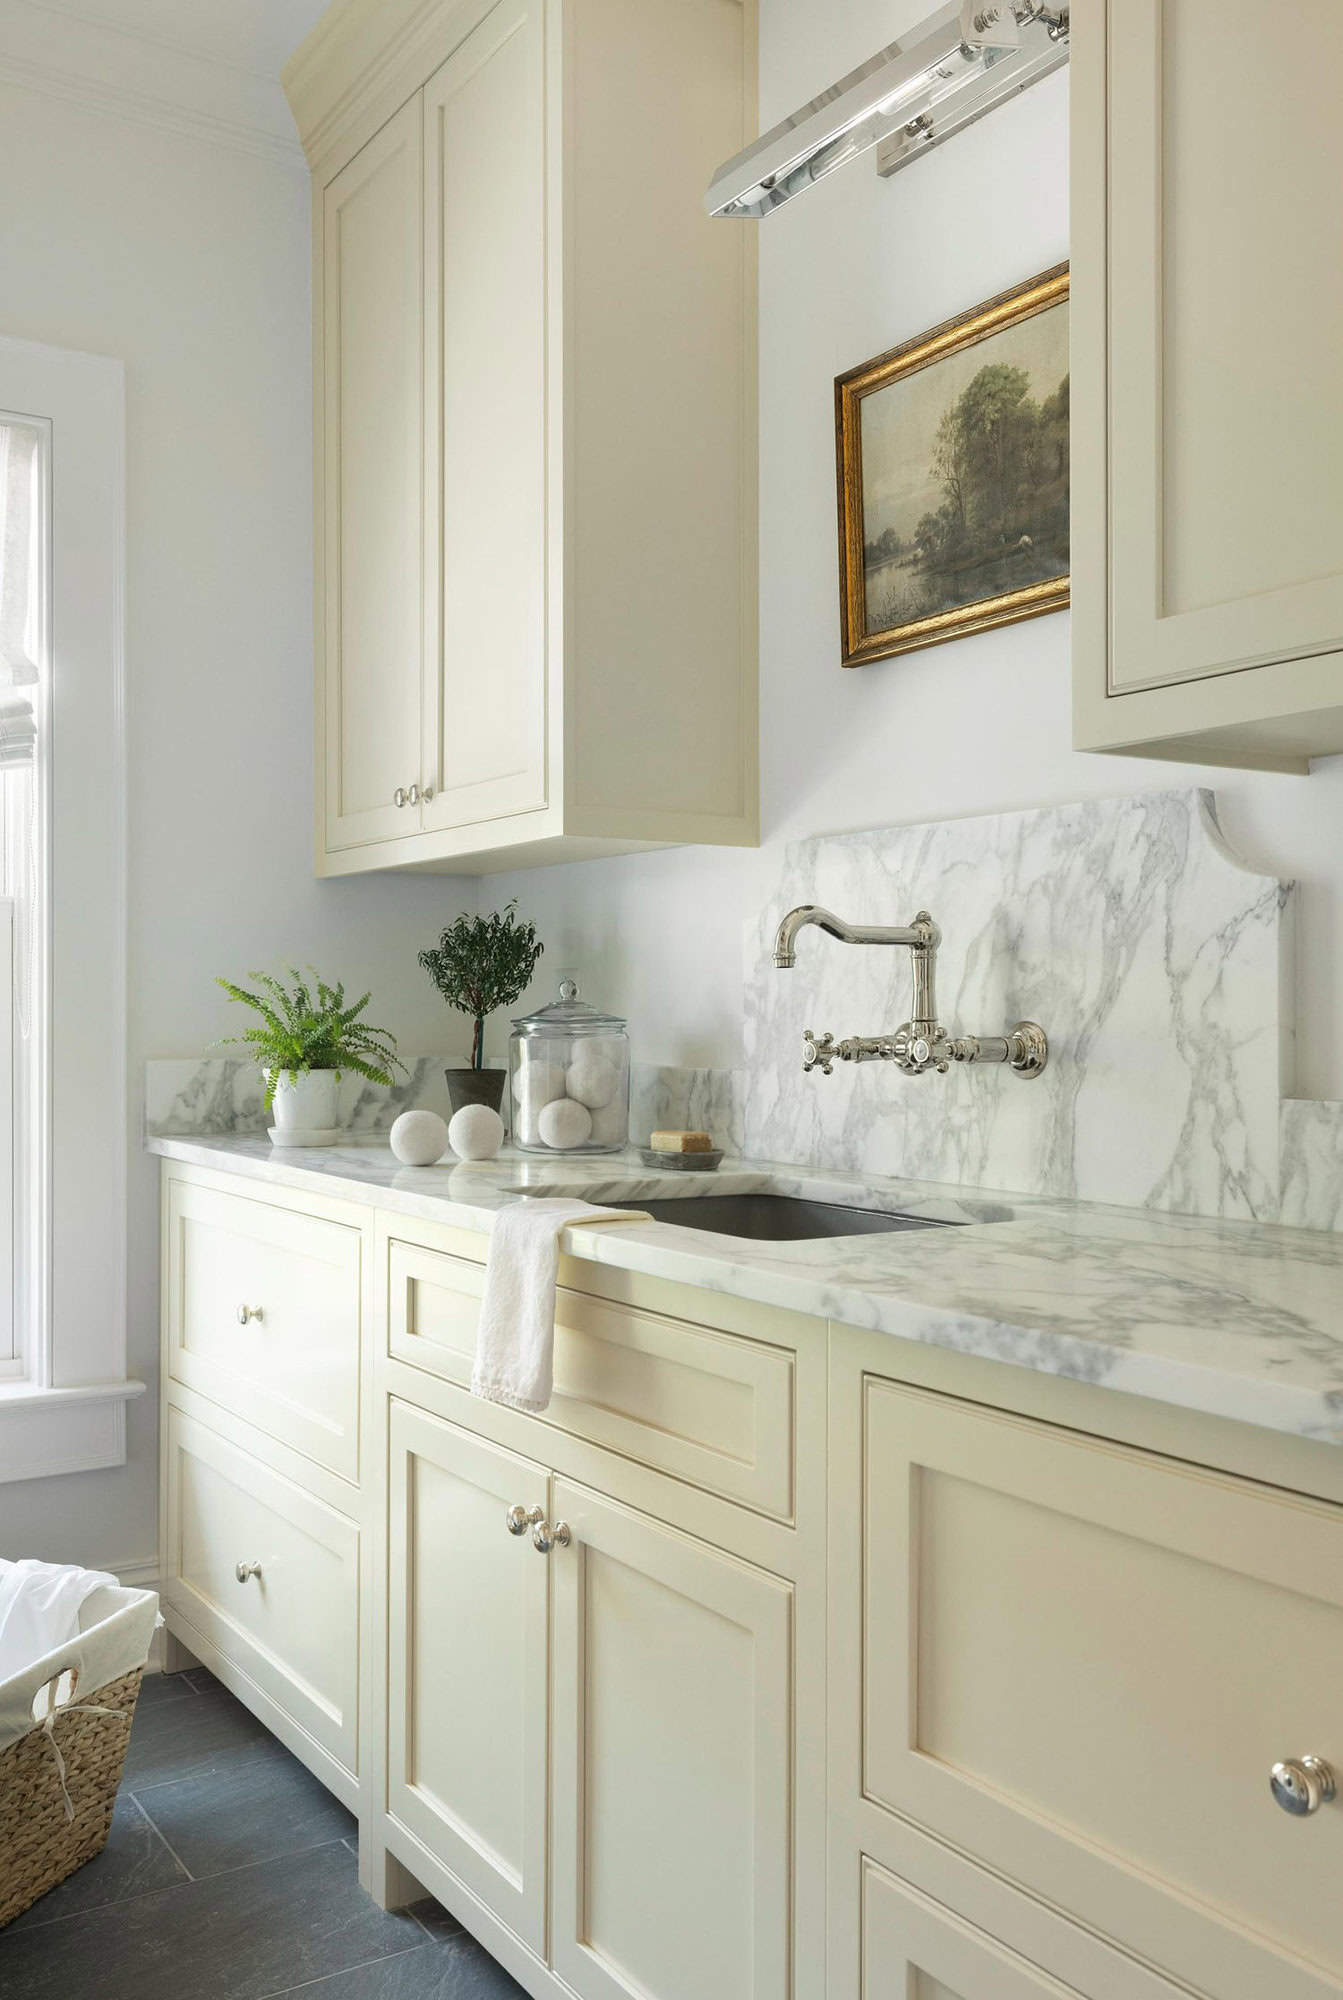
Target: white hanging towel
[[515, 1341]]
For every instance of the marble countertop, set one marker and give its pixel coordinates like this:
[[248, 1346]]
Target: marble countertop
[[1236, 1319]]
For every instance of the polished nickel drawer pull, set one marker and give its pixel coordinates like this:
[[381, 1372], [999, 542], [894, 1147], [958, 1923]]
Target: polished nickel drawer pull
[[545, 1538], [518, 1519], [243, 1570], [246, 1313]]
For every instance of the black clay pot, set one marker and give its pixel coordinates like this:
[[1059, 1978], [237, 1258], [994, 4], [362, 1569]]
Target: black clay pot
[[476, 1086]]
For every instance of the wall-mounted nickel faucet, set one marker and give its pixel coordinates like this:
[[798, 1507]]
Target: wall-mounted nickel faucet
[[922, 1043]]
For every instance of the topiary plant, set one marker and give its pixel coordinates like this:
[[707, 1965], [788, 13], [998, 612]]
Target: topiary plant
[[307, 1027], [482, 963]]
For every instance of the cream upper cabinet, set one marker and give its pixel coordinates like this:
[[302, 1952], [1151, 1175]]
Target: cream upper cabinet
[[1207, 410], [485, 408], [369, 485], [536, 406]]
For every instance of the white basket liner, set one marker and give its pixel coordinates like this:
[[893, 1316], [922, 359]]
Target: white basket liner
[[116, 1627]]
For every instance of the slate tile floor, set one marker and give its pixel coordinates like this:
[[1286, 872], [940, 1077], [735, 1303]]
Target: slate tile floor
[[230, 1874]]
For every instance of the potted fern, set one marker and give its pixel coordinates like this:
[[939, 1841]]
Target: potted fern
[[306, 1038], [479, 965]]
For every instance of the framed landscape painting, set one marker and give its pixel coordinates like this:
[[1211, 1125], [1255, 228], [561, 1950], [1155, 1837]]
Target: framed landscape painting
[[953, 477]]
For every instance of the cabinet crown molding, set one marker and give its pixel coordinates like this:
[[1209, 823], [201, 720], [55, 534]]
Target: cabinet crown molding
[[363, 60]]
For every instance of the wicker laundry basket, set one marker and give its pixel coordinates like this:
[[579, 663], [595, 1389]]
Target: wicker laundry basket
[[42, 1837], [59, 1775]]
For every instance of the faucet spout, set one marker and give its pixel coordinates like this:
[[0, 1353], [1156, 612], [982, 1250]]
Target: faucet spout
[[922, 934]]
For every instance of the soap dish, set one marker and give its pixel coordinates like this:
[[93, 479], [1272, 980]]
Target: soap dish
[[682, 1163]]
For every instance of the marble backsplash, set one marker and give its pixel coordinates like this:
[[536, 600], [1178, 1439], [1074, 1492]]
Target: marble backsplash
[[1151, 955]]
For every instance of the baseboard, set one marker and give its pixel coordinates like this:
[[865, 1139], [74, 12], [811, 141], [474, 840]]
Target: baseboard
[[136, 1575]]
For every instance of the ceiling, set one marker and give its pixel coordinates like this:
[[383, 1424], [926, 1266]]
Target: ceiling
[[253, 35]]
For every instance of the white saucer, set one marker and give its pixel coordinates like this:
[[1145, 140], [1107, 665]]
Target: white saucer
[[326, 1138]]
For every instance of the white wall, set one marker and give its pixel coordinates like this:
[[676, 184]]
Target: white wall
[[848, 270], [191, 262]]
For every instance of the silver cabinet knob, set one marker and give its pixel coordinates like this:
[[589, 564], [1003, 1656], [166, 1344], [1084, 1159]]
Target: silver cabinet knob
[[413, 796], [246, 1313], [244, 1570], [399, 796], [545, 1538], [427, 793], [518, 1519], [1301, 1785]]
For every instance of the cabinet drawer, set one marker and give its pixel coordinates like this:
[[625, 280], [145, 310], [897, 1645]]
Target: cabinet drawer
[[913, 1946], [714, 1408], [292, 1366], [1081, 1662], [294, 1627]]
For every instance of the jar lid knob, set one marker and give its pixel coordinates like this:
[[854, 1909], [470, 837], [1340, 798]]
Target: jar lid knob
[[568, 989]]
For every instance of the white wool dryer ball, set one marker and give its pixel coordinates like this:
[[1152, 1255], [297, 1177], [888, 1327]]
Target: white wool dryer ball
[[592, 1080], [476, 1132], [564, 1124], [610, 1125], [419, 1138]]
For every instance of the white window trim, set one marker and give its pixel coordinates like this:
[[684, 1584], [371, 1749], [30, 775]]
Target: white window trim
[[67, 1413]]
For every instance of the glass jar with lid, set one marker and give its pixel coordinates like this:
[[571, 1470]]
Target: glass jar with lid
[[569, 1078]]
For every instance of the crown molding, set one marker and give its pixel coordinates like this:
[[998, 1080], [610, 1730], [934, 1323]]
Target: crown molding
[[361, 63], [144, 81]]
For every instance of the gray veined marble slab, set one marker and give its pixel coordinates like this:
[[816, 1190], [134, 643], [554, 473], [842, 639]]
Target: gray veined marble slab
[[1151, 956], [1312, 1164], [223, 1095], [1237, 1319]]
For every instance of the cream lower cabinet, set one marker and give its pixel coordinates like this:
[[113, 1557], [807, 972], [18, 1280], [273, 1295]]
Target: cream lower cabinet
[[1077, 1662], [845, 1669], [265, 1378], [594, 1742]]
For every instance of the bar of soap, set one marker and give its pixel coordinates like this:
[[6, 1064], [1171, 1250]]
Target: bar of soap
[[680, 1142]]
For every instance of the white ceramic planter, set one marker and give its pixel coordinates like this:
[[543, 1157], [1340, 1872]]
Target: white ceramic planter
[[305, 1107]]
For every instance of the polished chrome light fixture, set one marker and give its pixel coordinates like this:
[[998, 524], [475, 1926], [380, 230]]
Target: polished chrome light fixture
[[958, 64]]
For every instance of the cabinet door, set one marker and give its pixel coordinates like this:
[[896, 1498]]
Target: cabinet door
[[485, 422], [671, 1843], [1078, 1665], [1225, 317], [467, 1664], [370, 409]]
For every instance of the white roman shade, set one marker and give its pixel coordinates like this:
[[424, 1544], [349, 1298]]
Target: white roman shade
[[19, 444]]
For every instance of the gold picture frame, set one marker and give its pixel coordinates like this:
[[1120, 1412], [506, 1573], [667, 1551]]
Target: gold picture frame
[[910, 583]]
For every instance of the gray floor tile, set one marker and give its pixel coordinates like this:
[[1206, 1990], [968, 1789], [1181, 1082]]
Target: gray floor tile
[[202, 1680], [457, 1970], [244, 1810], [259, 1931], [156, 1688], [134, 1860], [432, 1916], [178, 1739]]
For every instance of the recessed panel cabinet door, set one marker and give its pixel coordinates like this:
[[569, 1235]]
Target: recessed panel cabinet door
[[1080, 1663], [369, 414], [467, 1664], [486, 422], [1225, 290], [670, 1862]]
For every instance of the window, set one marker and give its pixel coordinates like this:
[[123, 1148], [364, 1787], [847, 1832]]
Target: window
[[63, 1113], [25, 459]]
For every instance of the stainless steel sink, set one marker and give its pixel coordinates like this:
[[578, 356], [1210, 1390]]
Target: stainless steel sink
[[781, 1218]]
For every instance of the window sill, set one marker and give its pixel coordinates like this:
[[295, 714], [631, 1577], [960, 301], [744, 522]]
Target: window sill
[[46, 1432]]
